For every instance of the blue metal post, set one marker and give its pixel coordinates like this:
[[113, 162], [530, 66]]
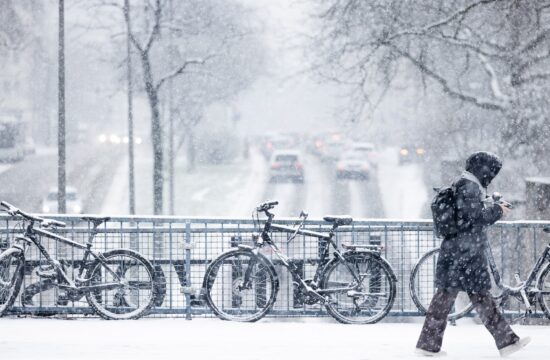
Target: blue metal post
[[188, 267]]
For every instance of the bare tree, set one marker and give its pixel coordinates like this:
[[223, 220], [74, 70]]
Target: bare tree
[[490, 54], [152, 87], [192, 48]]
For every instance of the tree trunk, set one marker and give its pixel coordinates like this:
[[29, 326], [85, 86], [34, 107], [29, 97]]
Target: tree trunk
[[156, 135], [191, 151]]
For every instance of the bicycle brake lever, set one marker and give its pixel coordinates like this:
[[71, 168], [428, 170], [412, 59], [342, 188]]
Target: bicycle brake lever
[[10, 212]]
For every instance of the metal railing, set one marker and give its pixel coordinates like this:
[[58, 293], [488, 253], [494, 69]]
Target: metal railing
[[180, 249]]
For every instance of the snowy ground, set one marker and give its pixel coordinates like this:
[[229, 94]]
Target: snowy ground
[[268, 339]]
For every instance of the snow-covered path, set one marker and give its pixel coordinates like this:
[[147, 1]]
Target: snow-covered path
[[268, 339], [403, 191]]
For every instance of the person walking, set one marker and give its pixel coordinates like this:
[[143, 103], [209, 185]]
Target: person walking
[[462, 264]]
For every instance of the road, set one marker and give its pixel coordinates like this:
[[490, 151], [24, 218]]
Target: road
[[233, 190], [322, 194], [89, 169], [100, 175]]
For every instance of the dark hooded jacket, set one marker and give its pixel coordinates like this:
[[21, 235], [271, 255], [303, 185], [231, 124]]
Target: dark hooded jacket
[[462, 263]]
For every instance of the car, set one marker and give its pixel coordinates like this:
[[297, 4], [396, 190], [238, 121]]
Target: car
[[328, 145], [73, 203], [286, 165], [411, 153], [116, 139], [353, 165], [276, 142], [332, 150], [368, 150], [29, 148]]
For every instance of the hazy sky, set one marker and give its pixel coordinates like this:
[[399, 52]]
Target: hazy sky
[[285, 98]]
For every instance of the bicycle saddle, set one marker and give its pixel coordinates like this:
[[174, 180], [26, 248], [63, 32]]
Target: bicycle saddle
[[96, 219], [339, 220]]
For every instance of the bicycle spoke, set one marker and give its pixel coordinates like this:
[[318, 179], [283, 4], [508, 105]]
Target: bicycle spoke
[[125, 289], [228, 294], [364, 302]]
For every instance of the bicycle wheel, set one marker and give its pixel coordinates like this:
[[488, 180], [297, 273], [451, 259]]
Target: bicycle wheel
[[544, 290], [364, 303], [228, 296], [11, 277], [422, 287], [132, 290]]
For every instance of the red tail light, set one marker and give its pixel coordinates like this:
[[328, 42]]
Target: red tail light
[[275, 166], [269, 145], [297, 165]]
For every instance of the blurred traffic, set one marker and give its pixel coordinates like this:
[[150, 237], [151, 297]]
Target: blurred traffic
[[349, 157]]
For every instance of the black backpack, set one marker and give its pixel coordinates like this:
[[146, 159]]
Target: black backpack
[[444, 211]]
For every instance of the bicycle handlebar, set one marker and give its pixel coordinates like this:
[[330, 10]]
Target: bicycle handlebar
[[268, 205], [12, 210]]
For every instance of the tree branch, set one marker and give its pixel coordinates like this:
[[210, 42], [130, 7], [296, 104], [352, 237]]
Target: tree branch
[[495, 86], [532, 62], [458, 14], [535, 42], [133, 40], [528, 79], [482, 103], [180, 70], [156, 27]]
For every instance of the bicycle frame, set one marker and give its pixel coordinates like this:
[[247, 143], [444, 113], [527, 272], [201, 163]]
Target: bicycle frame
[[324, 240], [522, 286], [30, 236]]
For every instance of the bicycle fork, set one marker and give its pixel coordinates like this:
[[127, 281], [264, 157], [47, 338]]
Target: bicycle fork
[[523, 293]]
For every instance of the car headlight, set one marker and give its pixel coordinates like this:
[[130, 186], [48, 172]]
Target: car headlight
[[420, 151], [76, 209], [404, 152], [45, 209], [102, 138]]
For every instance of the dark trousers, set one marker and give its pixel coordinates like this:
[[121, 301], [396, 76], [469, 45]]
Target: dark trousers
[[431, 336]]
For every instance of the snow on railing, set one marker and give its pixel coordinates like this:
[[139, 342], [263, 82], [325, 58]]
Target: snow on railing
[[181, 247]]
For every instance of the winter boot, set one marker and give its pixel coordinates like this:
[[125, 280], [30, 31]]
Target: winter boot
[[512, 348], [422, 352]]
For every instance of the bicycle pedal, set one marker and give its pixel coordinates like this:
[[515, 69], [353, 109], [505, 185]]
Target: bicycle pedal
[[63, 300]]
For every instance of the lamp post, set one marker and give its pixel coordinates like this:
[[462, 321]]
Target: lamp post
[[171, 154], [61, 172], [131, 176]]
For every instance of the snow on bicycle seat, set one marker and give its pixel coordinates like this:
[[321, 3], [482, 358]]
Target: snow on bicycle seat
[[339, 220], [98, 219]]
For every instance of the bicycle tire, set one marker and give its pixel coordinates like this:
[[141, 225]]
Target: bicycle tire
[[422, 286], [10, 285], [159, 281], [543, 284], [381, 280], [219, 284], [113, 307]]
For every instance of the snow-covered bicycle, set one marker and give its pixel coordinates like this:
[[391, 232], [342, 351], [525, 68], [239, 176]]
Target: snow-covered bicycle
[[118, 284], [357, 286], [536, 288]]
